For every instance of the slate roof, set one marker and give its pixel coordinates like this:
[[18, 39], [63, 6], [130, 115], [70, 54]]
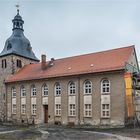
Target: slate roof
[[17, 43], [83, 64]]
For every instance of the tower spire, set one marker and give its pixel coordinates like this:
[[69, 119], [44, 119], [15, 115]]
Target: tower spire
[[17, 21]]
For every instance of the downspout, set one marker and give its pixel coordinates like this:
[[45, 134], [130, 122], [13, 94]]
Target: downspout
[[78, 100]]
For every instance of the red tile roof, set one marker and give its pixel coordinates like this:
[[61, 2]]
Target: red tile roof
[[89, 63]]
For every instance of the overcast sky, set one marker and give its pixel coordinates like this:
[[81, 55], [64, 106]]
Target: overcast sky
[[62, 28]]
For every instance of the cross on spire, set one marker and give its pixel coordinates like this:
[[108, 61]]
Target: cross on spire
[[17, 6]]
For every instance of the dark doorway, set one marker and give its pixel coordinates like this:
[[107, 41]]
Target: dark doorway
[[46, 113]]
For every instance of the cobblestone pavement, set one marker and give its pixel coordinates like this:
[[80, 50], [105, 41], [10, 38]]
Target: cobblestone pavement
[[60, 133]]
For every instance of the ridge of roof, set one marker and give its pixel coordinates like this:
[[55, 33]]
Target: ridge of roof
[[98, 52]]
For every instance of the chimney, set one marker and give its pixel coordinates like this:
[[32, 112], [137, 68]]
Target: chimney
[[43, 62]]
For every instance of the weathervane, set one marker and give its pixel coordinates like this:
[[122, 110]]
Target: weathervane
[[17, 6]]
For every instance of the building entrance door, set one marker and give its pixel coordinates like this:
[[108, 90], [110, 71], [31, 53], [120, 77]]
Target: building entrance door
[[46, 113]]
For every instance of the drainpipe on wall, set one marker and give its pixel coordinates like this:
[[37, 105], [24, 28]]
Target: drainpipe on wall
[[78, 100]]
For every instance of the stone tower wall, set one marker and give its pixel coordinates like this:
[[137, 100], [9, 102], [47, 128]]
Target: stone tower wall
[[11, 68]]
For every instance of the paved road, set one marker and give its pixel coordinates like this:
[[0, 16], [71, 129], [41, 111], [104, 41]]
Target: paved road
[[59, 133]]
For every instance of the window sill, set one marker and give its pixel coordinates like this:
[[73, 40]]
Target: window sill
[[44, 95], [33, 96], [57, 115], [87, 116], [87, 94], [105, 93], [72, 94], [72, 116], [105, 117], [23, 114], [57, 95]]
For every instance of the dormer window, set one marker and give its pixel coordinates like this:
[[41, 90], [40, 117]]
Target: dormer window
[[9, 46], [19, 64], [29, 48]]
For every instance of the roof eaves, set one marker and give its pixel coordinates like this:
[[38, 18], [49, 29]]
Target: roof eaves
[[66, 74]]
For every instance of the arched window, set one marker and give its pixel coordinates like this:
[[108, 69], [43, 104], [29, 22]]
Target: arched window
[[33, 90], [45, 90], [13, 92], [23, 91], [57, 89], [105, 86], [87, 87], [72, 88]]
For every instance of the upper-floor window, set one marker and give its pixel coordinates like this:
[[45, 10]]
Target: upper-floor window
[[105, 86], [45, 90], [3, 63], [13, 92], [72, 88], [19, 64], [23, 91], [33, 90], [57, 89], [87, 87]]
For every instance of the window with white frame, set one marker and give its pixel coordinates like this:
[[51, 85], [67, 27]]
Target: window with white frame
[[72, 88], [105, 86], [87, 87], [72, 110], [105, 110], [87, 110], [23, 108], [23, 91], [33, 90], [44, 90], [14, 108], [58, 109], [57, 89], [33, 109], [13, 92]]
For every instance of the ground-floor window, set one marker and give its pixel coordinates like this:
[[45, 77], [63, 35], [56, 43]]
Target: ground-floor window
[[105, 110], [72, 110], [23, 108], [14, 108], [58, 109], [87, 110], [33, 109]]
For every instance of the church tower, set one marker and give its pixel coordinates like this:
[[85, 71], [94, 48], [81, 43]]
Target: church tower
[[17, 52]]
